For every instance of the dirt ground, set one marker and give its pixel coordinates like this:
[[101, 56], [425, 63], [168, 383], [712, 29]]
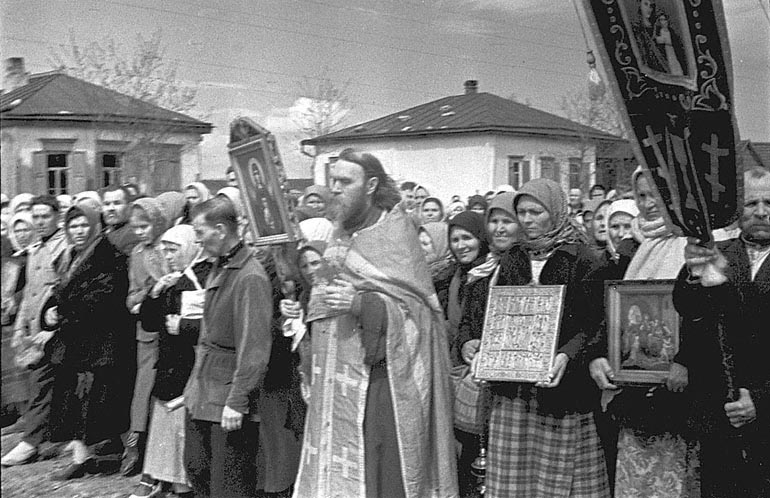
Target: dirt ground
[[34, 480]]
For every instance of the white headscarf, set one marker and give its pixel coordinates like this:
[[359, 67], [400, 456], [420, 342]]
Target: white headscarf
[[317, 229], [661, 254], [626, 206]]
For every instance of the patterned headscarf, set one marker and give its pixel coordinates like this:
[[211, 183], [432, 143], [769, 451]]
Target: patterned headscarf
[[565, 230]]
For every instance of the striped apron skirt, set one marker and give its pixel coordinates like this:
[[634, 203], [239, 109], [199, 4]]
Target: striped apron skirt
[[534, 455]]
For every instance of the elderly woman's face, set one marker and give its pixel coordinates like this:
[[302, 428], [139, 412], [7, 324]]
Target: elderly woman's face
[[645, 200], [533, 217], [171, 253], [23, 233], [620, 227]]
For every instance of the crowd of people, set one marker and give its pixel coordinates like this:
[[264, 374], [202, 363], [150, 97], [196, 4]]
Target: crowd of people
[[152, 336]]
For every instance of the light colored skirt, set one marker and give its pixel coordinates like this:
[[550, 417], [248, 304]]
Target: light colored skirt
[[164, 457]]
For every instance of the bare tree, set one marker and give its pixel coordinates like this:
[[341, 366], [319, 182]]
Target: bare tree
[[145, 74], [326, 104], [597, 111]]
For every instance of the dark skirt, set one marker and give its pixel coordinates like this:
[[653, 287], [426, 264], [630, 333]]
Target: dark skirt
[[537, 455], [91, 406]]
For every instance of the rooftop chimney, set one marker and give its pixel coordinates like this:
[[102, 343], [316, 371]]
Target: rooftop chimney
[[471, 86], [15, 75]]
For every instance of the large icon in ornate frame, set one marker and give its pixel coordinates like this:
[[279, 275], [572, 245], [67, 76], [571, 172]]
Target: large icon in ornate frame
[[521, 330]]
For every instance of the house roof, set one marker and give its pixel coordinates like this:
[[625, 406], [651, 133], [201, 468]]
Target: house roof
[[56, 96], [466, 113]]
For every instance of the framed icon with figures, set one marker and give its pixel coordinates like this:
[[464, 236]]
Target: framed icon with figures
[[642, 330], [521, 330]]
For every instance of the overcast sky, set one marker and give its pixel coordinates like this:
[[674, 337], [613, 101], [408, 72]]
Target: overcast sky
[[249, 56]]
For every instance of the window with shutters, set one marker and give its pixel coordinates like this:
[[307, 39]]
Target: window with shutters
[[518, 171], [58, 172], [575, 173], [111, 163], [549, 168]]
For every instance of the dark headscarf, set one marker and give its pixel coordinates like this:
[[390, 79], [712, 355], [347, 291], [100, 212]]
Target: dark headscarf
[[565, 231], [477, 199]]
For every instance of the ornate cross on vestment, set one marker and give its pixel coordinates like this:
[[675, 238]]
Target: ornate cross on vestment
[[346, 380], [347, 465]]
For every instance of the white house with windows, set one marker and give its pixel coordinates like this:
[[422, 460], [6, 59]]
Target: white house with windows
[[471, 143], [60, 134]]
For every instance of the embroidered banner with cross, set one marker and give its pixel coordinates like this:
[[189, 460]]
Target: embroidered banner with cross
[[668, 64]]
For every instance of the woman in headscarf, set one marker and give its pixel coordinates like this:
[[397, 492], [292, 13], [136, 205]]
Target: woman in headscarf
[[194, 194], [598, 230], [468, 290], [431, 209], [172, 309], [502, 227], [652, 450], [542, 437], [477, 204], [93, 349], [502, 232], [15, 378], [146, 266], [173, 206], [316, 198], [22, 202], [454, 208], [316, 229], [434, 239]]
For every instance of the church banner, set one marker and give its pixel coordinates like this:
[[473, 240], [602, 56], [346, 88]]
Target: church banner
[[669, 68]]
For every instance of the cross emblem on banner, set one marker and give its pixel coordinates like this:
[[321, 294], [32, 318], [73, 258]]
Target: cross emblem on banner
[[346, 464], [346, 380], [713, 178]]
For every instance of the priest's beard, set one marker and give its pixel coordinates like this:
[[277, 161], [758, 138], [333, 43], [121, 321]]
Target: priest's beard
[[349, 211]]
